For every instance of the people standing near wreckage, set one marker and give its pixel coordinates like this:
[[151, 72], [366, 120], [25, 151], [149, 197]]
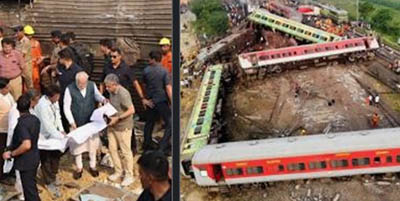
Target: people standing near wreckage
[[166, 60], [154, 177], [119, 130], [6, 103], [12, 123], [51, 131], [12, 65], [105, 47], [24, 46], [24, 148], [79, 103], [126, 78], [36, 56], [159, 96]]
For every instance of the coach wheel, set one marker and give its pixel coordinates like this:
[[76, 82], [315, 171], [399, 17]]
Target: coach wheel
[[277, 69], [351, 58]]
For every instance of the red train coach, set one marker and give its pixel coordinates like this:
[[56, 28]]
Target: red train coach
[[273, 59], [316, 156]]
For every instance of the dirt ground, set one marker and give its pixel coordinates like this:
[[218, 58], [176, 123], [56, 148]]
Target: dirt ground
[[271, 107], [65, 175]]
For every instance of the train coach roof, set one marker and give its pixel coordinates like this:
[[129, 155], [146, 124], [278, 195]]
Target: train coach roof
[[297, 146]]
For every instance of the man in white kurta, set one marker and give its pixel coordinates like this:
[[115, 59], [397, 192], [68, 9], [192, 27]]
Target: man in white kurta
[[80, 100], [51, 132]]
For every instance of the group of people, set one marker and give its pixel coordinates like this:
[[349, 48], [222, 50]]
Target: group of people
[[41, 104]]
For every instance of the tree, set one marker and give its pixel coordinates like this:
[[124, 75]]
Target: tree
[[381, 19], [366, 9], [212, 19]]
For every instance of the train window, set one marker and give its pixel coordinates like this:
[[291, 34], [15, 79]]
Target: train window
[[284, 54], [292, 28], [305, 51], [296, 166], [302, 166], [290, 54], [294, 53], [388, 159], [337, 47], [350, 45], [377, 160], [285, 25], [257, 16], [398, 158], [360, 161], [238, 171], [234, 171], [255, 170], [354, 162], [321, 165], [281, 168], [278, 56], [264, 18], [346, 45], [273, 56], [324, 38], [264, 57], [340, 163]]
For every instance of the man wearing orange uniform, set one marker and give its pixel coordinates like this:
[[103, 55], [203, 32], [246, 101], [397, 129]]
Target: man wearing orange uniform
[[36, 56], [375, 120], [166, 60]]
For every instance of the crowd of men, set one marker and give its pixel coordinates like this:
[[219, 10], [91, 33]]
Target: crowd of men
[[42, 101]]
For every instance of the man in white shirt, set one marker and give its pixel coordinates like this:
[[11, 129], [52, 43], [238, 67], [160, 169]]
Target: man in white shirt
[[48, 112], [6, 103], [80, 100]]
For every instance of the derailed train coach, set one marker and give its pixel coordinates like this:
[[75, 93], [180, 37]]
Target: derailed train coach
[[276, 60], [304, 157]]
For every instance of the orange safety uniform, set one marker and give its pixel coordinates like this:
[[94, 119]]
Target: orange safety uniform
[[166, 61], [375, 120], [36, 56]]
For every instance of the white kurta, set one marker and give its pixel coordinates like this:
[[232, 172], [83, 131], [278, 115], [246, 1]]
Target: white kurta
[[91, 144]]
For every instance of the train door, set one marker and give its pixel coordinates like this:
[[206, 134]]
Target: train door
[[218, 174]]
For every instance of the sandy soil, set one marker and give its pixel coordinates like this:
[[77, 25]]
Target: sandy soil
[[270, 106]]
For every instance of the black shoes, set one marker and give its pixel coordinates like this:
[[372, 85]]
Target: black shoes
[[93, 172], [77, 175]]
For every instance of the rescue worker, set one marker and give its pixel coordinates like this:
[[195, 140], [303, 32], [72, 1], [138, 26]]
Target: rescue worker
[[24, 45], [36, 56], [166, 60], [375, 120]]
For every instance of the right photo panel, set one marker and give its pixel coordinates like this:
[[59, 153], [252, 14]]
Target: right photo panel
[[290, 100]]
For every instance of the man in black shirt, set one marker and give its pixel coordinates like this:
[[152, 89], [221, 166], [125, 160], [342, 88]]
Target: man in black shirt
[[153, 173], [159, 95], [105, 47], [126, 78], [66, 75], [24, 148]]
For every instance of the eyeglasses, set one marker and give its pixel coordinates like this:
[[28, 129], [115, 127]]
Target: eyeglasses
[[114, 56]]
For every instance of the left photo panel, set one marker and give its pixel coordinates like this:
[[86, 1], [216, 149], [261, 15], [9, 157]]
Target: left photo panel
[[85, 100]]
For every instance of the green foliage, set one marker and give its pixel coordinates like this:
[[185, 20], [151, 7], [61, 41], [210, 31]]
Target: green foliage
[[381, 19], [366, 9], [212, 19], [395, 4]]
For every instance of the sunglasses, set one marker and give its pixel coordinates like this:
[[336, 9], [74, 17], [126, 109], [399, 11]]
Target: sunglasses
[[114, 56]]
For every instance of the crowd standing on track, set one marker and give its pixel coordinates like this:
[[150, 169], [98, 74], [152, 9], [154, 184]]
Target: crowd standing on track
[[43, 98]]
